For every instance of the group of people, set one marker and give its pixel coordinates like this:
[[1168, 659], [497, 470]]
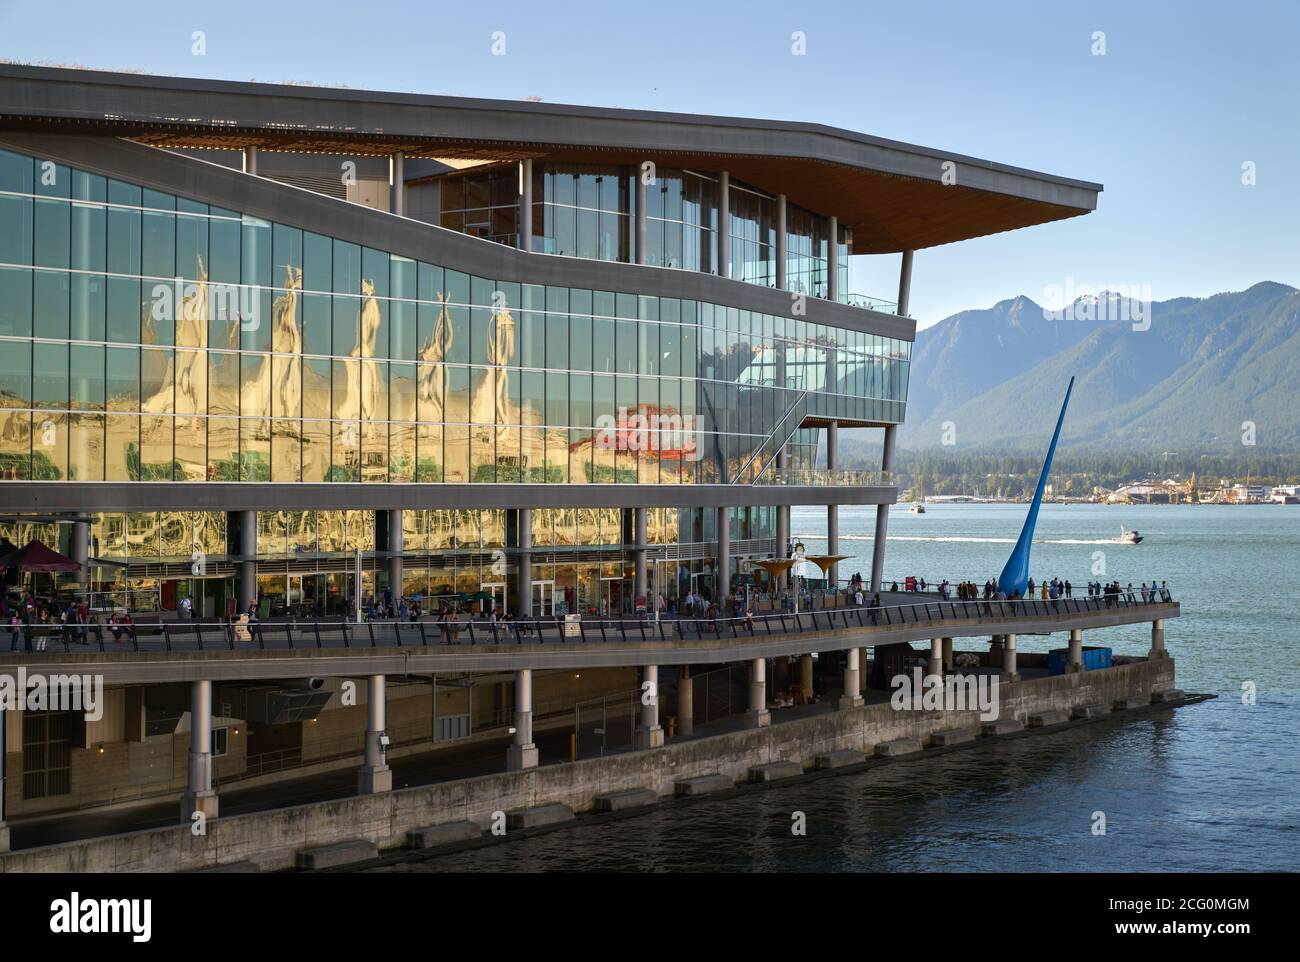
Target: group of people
[[34, 620]]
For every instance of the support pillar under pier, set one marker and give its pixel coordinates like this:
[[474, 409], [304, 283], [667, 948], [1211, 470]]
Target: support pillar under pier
[[852, 697], [374, 775], [806, 676], [935, 667], [685, 702], [1076, 650], [1009, 672], [649, 734], [1158, 640], [199, 796], [758, 716], [523, 753]]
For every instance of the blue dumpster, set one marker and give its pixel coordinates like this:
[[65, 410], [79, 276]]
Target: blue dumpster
[[1093, 658]]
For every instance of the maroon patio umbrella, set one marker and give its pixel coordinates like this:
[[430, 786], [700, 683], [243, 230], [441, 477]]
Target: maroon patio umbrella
[[34, 556]]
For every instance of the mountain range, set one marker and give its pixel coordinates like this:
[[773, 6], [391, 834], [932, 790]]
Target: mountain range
[[1187, 375]]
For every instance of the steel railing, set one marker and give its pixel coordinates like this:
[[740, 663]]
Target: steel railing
[[189, 636]]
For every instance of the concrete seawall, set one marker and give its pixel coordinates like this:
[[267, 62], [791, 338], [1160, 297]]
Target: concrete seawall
[[271, 839]]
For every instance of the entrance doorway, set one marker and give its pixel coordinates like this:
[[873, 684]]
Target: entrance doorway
[[497, 589], [544, 599]]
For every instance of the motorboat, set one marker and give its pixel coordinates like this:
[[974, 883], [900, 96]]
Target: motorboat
[[1128, 537]]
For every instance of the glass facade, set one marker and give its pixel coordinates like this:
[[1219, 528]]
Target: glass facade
[[584, 211], [146, 337], [589, 211]]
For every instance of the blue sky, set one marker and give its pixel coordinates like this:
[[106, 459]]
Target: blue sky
[[1184, 95]]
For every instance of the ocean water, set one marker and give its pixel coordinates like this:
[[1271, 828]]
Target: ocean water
[[1212, 786]]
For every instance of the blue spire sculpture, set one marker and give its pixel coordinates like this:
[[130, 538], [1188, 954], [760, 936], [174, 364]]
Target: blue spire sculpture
[[1015, 575]]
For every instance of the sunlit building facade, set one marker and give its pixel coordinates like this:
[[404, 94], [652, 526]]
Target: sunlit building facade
[[262, 361]]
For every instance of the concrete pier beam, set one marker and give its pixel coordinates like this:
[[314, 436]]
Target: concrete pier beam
[[947, 655], [1009, 672], [649, 734], [995, 648], [199, 795], [852, 697], [685, 702], [522, 753], [1075, 663], [935, 667], [758, 716], [1158, 640]]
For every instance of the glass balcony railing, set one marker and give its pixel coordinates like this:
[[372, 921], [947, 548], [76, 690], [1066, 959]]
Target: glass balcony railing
[[820, 478], [867, 302]]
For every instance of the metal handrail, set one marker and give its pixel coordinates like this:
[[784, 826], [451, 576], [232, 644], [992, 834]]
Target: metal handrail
[[183, 636]]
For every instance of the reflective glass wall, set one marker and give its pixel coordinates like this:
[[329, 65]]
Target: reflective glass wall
[[149, 337]]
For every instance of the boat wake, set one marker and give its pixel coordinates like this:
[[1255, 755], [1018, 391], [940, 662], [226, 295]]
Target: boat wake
[[955, 539]]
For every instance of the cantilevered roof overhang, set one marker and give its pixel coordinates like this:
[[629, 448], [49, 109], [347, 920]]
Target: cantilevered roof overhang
[[891, 194]]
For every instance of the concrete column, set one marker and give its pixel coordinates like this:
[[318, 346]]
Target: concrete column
[[882, 513], [685, 702], [246, 570], [523, 753], [1076, 650], [250, 160], [393, 520], [806, 674], [1158, 640], [4, 829], [524, 529], [833, 510], [1009, 658], [758, 716], [905, 283], [852, 697], [641, 581], [936, 658], [199, 796], [780, 242], [649, 734], [833, 274], [724, 555], [782, 541], [374, 775], [640, 215], [397, 184], [947, 655], [80, 551], [724, 224], [526, 205]]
